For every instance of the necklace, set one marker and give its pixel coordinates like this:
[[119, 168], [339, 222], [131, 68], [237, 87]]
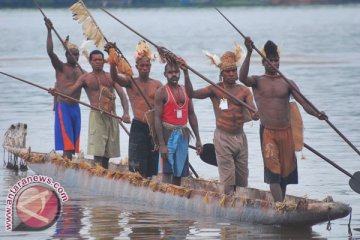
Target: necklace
[[177, 96], [99, 79]]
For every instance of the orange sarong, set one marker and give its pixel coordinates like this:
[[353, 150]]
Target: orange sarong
[[280, 165]]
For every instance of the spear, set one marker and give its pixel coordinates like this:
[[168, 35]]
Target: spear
[[92, 30], [53, 91], [291, 86], [58, 36], [170, 56]]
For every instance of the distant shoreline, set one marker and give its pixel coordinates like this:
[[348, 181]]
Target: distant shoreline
[[169, 3]]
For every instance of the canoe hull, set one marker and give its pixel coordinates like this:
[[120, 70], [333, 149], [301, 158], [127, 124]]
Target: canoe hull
[[200, 202]]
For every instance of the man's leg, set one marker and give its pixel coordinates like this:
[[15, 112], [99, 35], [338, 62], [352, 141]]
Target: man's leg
[[229, 189], [166, 178], [68, 154], [283, 188], [105, 162], [102, 161], [277, 192], [176, 180], [226, 166]]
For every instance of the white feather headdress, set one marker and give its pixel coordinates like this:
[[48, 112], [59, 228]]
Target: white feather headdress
[[228, 59]]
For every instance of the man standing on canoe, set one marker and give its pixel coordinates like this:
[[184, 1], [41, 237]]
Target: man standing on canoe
[[272, 94], [103, 138], [173, 109], [67, 113], [143, 155], [230, 141]]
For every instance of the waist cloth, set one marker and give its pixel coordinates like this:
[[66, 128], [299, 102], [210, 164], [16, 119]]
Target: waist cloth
[[67, 126], [142, 158], [177, 143], [280, 164], [103, 139]]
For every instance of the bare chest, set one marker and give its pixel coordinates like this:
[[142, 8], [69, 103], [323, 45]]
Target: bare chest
[[236, 91], [272, 88], [148, 89]]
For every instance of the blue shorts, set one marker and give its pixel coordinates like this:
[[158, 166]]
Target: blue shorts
[[67, 126]]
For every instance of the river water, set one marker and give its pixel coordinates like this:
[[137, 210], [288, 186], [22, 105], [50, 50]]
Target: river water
[[319, 51]]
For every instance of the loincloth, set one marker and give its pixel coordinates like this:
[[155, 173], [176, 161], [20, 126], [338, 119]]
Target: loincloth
[[280, 164], [177, 141]]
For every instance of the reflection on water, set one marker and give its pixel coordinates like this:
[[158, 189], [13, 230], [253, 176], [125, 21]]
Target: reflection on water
[[88, 214], [318, 51], [69, 223]]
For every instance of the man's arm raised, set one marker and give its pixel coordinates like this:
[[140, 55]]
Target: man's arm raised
[[55, 61], [120, 78], [199, 94], [244, 70]]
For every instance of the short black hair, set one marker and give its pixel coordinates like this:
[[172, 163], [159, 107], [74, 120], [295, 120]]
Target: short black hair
[[172, 64], [96, 52], [271, 49]]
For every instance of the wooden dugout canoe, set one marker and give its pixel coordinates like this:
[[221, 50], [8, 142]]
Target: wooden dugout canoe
[[195, 196]]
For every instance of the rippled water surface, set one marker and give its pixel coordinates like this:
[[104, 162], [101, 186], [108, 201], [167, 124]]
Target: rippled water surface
[[319, 51]]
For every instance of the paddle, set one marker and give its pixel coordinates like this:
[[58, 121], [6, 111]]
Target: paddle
[[58, 36], [91, 22], [291, 85], [68, 97], [169, 55], [354, 181], [208, 154], [80, 102]]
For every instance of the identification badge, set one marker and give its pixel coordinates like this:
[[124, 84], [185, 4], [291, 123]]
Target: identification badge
[[223, 104], [179, 113]]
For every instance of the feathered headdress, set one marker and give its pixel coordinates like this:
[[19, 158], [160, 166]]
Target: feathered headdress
[[83, 49], [227, 60], [90, 29], [142, 50]]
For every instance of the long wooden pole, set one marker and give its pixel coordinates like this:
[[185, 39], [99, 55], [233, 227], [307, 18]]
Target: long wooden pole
[[70, 98], [120, 53], [74, 59], [293, 88], [80, 102], [58, 36], [354, 178], [168, 53], [131, 77]]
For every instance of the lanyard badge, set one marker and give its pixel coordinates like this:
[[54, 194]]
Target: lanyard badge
[[223, 104]]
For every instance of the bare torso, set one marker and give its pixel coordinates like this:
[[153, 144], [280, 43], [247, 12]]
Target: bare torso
[[97, 84], [65, 79], [232, 119], [272, 96], [138, 104]]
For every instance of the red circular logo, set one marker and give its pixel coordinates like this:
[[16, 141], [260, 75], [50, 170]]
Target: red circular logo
[[38, 207]]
